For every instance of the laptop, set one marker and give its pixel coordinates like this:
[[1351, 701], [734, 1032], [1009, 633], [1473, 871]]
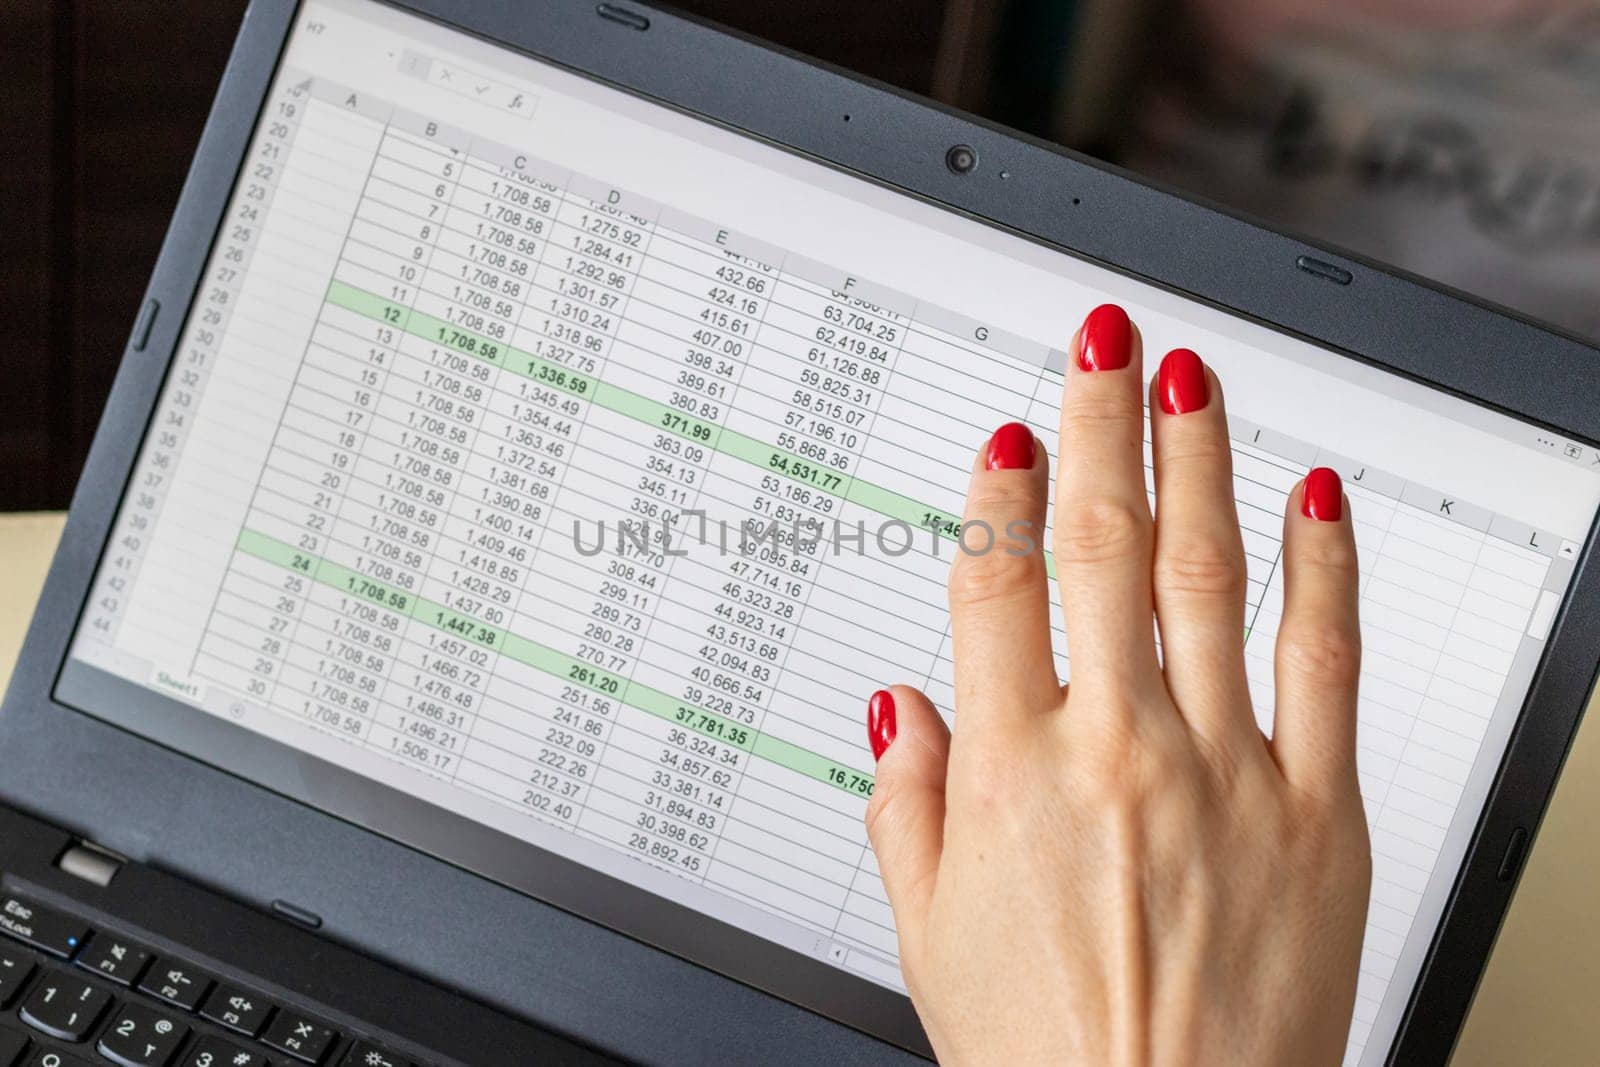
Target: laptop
[[546, 425]]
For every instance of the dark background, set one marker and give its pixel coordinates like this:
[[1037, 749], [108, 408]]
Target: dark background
[[101, 105], [1267, 106]]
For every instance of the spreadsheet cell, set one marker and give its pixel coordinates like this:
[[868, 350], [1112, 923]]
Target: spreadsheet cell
[[1445, 786], [819, 877], [1426, 559], [876, 912], [776, 896], [860, 931], [492, 469], [1487, 634]]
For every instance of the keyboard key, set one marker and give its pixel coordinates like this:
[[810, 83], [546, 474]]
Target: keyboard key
[[43, 1057], [176, 983], [366, 1054], [241, 1012], [301, 1038], [15, 970], [215, 1052], [11, 1046], [114, 958], [65, 1006], [142, 1037], [44, 928]]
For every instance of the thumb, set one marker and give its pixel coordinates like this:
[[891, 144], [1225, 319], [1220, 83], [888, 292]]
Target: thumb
[[905, 817]]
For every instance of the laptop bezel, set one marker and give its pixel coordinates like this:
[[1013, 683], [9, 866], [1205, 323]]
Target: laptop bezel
[[261, 845]]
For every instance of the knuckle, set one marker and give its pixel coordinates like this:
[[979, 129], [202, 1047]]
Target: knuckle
[[991, 577], [1099, 530], [1200, 566], [1334, 835], [1118, 793], [1111, 763], [1205, 453], [1096, 415], [1324, 654], [988, 499], [1232, 770], [985, 782], [1331, 558], [1108, 781]]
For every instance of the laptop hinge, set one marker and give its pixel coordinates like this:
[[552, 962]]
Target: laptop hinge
[[91, 863]]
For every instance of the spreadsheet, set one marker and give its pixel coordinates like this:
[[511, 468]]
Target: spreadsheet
[[565, 503]]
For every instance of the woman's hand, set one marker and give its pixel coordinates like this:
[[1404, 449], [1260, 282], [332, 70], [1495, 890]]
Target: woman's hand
[[1125, 870]]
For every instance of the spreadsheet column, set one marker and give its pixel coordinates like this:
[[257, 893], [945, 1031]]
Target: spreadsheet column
[[275, 258], [536, 742], [935, 417], [939, 411], [682, 350], [572, 731], [814, 392], [350, 423], [437, 410], [837, 359], [250, 638], [1374, 501], [498, 235]]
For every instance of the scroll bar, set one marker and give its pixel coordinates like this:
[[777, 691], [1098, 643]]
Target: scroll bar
[[1544, 614]]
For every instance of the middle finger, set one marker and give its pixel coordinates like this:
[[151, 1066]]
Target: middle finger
[[1103, 531], [1200, 574]]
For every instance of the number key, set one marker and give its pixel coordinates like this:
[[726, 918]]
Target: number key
[[215, 1052], [65, 1006], [142, 1038]]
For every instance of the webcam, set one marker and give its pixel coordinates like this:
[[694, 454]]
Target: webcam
[[961, 159]]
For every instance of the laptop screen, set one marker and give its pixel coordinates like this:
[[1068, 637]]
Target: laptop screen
[[579, 467]]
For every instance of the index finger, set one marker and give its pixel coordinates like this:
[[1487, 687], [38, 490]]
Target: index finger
[[999, 595]]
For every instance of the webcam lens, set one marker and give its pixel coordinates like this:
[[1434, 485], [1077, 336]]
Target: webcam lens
[[961, 159]]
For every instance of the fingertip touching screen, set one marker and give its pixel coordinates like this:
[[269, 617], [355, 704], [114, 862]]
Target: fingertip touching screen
[[579, 467]]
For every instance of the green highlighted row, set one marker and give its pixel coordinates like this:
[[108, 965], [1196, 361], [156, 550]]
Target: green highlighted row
[[875, 498], [730, 442], [641, 697]]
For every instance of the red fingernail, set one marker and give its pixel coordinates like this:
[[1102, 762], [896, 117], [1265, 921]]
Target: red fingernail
[[880, 722], [1323, 496], [1106, 340], [1010, 449], [1181, 382]]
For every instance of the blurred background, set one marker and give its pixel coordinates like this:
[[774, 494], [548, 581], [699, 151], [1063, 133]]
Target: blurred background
[[1459, 139]]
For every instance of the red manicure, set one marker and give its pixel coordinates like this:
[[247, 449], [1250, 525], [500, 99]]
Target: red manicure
[[880, 722], [1323, 496], [1181, 382], [1106, 340], [1010, 449]]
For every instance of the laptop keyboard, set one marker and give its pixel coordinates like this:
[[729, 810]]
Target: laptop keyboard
[[75, 997]]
